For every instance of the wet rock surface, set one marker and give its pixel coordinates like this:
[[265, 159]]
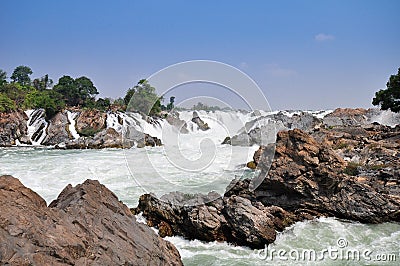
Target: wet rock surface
[[232, 218], [311, 175], [85, 225]]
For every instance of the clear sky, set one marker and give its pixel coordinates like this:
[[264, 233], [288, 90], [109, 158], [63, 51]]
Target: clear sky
[[303, 54]]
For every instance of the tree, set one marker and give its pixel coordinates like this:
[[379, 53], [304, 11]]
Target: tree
[[80, 91], [143, 98], [86, 89], [6, 104], [21, 75], [389, 98], [170, 106], [43, 83], [49, 100], [3, 78]]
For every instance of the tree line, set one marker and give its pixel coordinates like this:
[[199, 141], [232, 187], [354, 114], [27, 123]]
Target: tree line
[[24, 93]]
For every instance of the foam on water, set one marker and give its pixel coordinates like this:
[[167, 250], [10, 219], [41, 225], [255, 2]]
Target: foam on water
[[48, 171], [71, 127]]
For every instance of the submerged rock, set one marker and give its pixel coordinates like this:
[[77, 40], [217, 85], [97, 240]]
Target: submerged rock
[[85, 225]]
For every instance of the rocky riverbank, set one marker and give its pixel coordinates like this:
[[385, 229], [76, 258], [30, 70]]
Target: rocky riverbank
[[93, 129], [85, 225], [349, 171]]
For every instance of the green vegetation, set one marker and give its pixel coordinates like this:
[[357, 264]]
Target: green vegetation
[[389, 98], [351, 168], [143, 98], [21, 92], [6, 104]]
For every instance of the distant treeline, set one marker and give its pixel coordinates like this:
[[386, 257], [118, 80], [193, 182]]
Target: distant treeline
[[24, 93]]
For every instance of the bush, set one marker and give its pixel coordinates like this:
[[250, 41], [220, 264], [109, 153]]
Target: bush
[[49, 100], [6, 104]]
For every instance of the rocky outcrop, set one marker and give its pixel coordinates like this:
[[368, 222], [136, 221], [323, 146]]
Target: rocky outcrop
[[234, 219], [107, 138], [85, 225], [174, 120], [308, 178], [57, 131], [90, 122], [13, 127], [199, 122], [346, 117]]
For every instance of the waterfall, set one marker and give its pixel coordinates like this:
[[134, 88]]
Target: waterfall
[[37, 126], [71, 127]]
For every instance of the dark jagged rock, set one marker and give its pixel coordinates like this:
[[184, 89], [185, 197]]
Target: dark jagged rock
[[234, 219], [85, 225], [13, 127], [57, 131], [309, 177], [199, 122]]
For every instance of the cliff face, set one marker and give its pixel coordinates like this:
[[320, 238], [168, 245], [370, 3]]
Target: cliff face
[[13, 128], [85, 225]]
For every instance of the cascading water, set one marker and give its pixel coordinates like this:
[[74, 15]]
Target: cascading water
[[71, 119], [37, 126]]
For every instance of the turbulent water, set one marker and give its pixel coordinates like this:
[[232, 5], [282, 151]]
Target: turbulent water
[[130, 173]]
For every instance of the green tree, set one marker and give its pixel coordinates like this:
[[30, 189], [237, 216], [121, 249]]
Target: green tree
[[143, 98], [49, 100], [80, 91], [389, 98], [21, 75], [3, 78], [170, 106], [16, 92], [6, 104], [43, 83]]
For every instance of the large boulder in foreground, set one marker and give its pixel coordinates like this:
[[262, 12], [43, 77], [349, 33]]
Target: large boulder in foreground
[[85, 225]]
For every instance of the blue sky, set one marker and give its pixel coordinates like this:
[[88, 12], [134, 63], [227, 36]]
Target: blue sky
[[303, 54]]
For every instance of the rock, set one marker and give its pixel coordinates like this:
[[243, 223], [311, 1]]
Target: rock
[[308, 177], [233, 219], [85, 225], [57, 131], [90, 122], [227, 140], [13, 127], [173, 119], [107, 138], [199, 122], [346, 117]]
